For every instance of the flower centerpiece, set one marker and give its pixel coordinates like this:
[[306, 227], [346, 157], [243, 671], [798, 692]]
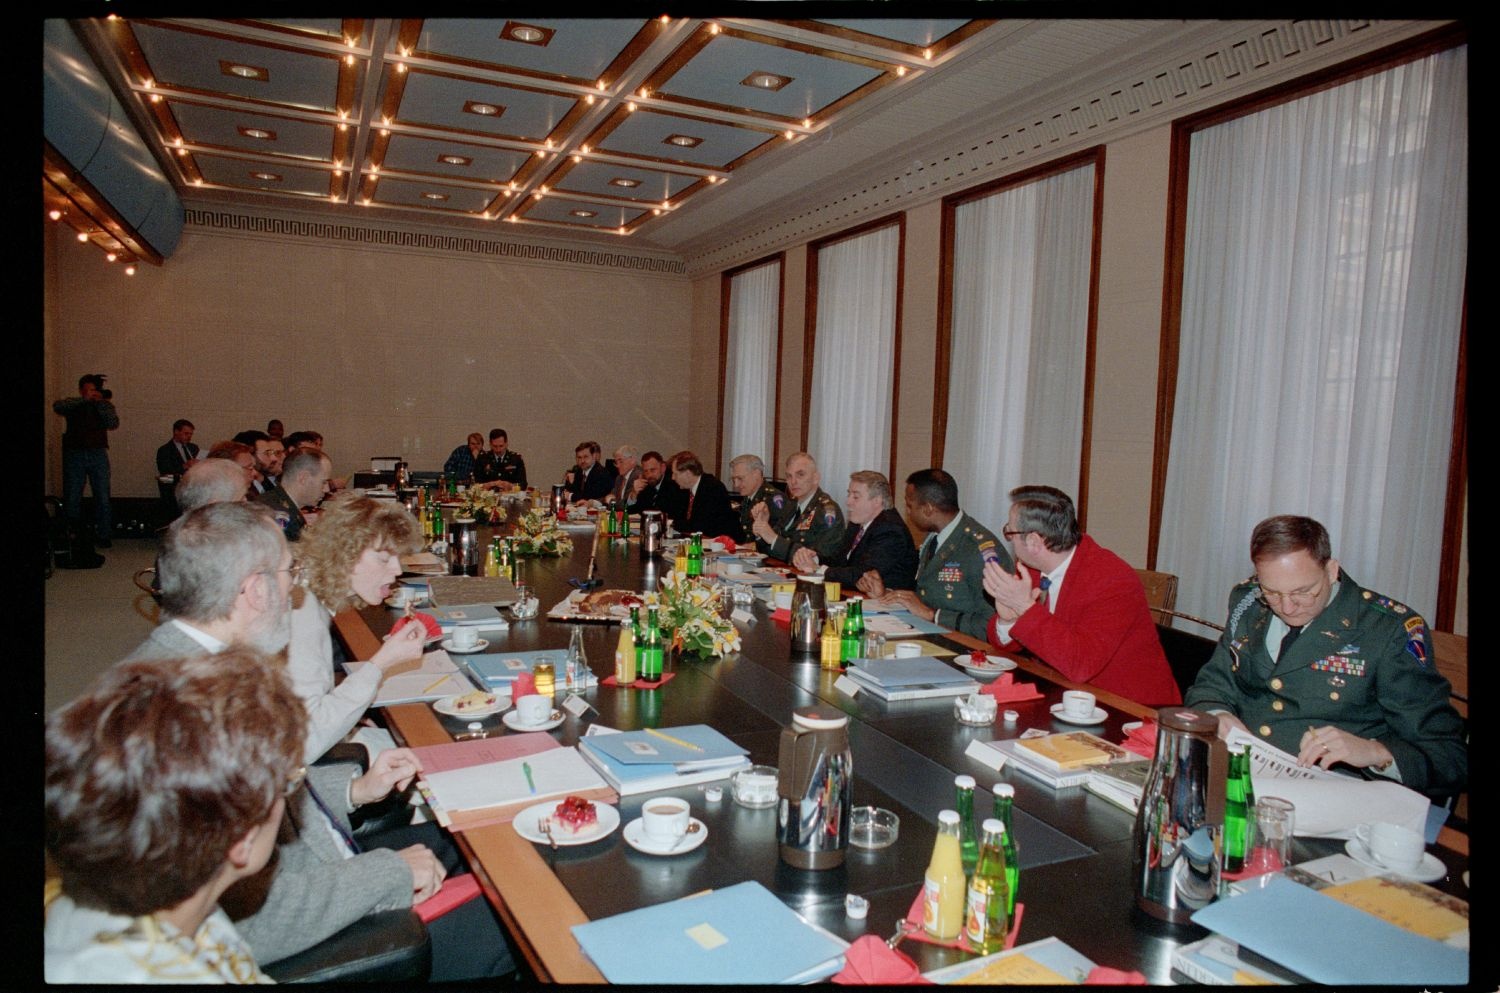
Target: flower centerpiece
[[539, 535], [483, 505], [688, 609]]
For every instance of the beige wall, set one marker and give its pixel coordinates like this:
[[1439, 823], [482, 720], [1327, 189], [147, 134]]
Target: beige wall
[[384, 351]]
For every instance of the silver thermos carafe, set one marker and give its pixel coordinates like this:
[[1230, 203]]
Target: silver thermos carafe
[[1179, 827], [463, 547], [809, 605], [651, 533], [814, 783]]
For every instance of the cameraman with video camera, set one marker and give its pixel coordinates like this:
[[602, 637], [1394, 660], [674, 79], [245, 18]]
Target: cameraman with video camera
[[90, 416]]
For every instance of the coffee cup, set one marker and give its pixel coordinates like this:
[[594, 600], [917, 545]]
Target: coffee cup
[[664, 819], [907, 649], [465, 637], [1392, 845], [783, 600], [733, 567], [534, 709], [1078, 703]]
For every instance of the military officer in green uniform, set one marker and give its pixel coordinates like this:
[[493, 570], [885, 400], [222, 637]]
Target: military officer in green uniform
[[814, 521], [950, 564], [747, 477], [1339, 676]]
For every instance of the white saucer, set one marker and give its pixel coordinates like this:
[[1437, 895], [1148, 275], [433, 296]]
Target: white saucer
[[526, 824], [1429, 870], [478, 646], [635, 837], [396, 604], [445, 706], [512, 720], [993, 665], [1097, 717]]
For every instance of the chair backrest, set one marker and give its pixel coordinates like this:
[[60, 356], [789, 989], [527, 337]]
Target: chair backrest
[[1186, 654], [1452, 660], [1161, 593]]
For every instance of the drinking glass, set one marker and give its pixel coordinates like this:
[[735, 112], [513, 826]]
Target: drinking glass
[[1275, 821]]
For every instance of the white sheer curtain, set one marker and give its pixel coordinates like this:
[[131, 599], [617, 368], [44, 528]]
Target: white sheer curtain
[[1322, 295], [849, 412], [750, 366], [1021, 265]]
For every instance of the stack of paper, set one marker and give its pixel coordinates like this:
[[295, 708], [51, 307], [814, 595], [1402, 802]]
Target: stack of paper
[[1121, 783], [1049, 962], [741, 934], [909, 679], [457, 591], [490, 780], [1215, 961], [432, 678], [498, 672], [481, 616], [1011, 751], [1070, 750], [657, 759]]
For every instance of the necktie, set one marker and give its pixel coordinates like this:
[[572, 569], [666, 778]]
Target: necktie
[[1286, 642], [1045, 585], [857, 536], [927, 547], [692, 494], [333, 821]]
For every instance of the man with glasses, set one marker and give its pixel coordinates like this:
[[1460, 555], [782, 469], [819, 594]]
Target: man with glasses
[[1340, 676], [269, 454], [1074, 605]]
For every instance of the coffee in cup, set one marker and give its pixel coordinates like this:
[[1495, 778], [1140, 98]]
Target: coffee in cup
[[1078, 703], [665, 819], [534, 709], [1392, 845]]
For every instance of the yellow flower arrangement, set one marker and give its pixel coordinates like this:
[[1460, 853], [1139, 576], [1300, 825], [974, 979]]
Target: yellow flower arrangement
[[540, 536], [689, 612]]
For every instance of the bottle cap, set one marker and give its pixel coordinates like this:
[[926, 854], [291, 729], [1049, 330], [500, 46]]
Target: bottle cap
[[713, 793], [964, 782], [1011, 716], [856, 906], [1003, 789], [994, 825], [947, 817]]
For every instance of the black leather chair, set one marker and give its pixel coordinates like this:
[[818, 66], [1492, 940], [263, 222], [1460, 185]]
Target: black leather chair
[[1186, 653]]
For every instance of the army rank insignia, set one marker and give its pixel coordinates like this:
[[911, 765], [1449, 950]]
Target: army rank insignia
[[1341, 664]]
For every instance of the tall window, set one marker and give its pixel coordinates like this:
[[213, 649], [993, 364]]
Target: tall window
[[753, 320], [1022, 264], [1324, 253], [850, 403]]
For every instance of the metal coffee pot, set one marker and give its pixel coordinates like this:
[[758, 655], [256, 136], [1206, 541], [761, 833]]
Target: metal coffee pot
[[559, 497], [401, 478], [814, 788], [463, 547], [651, 533], [809, 607], [410, 497], [1179, 827]]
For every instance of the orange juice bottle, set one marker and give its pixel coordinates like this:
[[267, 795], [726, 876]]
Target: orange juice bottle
[[943, 888]]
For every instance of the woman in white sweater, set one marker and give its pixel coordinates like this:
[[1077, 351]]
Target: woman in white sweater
[[350, 557]]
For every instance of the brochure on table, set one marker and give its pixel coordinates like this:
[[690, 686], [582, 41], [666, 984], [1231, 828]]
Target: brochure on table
[[1049, 962], [433, 678], [499, 671], [630, 778]]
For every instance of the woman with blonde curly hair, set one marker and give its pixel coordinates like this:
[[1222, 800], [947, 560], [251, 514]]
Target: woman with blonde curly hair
[[350, 557]]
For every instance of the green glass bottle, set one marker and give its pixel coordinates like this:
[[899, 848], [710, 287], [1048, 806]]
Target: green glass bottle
[[1005, 796], [852, 644], [1235, 813], [968, 842], [624, 528], [695, 555], [653, 653], [638, 635], [986, 920]]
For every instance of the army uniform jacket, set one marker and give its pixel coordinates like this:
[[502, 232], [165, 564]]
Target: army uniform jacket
[[510, 467], [778, 503], [1364, 665], [283, 505], [819, 527], [951, 581]]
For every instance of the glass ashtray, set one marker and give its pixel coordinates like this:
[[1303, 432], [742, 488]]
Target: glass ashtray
[[873, 827], [975, 709], [754, 787]]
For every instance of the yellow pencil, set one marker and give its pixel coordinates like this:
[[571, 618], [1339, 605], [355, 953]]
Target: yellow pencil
[[675, 741], [439, 682]]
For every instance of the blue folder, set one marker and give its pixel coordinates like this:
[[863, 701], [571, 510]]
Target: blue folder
[[741, 934]]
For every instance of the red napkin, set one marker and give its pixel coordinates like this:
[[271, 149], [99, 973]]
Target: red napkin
[[782, 615], [1007, 690], [914, 918], [434, 630], [1103, 975], [871, 962], [455, 891], [524, 685], [1142, 740], [728, 543], [639, 684]]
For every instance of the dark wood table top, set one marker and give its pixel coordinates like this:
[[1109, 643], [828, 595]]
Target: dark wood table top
[[1075, 848]]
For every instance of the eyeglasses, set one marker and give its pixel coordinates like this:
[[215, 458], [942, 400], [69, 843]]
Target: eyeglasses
[[294, 781], [1297, 598], [1010, 535], [294, 570]]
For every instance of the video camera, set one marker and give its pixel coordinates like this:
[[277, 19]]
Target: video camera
[[98, 380]]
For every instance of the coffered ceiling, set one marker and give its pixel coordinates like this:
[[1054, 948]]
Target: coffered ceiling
[[663, 135]]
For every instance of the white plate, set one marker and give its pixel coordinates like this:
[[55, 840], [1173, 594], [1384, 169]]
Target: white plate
[[512, 720], [1097, 717], [635, 837], [416, 601], [478, 646], [993, 666], [1429, 870], [445, 706], [526, 824]]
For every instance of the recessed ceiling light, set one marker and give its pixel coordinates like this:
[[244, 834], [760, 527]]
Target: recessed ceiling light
[[765, 81], [683, 140], [482, 109], [529, 34], [584, 213], [434, 196], [260, 133], [627, 183], [242, 71], [456, 160], [269, 177]]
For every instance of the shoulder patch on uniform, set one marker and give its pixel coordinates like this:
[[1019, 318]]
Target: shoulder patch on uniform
[[777, 501], [986, 544]]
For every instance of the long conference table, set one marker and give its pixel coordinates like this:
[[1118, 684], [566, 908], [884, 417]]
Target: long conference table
[[1075, 848]]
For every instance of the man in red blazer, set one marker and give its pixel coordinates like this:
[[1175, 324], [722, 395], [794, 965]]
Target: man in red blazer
[[1083, 610]]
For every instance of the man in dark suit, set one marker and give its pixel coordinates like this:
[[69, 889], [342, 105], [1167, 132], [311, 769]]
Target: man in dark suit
[[627, 471], [590, 480], [706, 508], [876, 540], [172, 460], [654, 490]]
